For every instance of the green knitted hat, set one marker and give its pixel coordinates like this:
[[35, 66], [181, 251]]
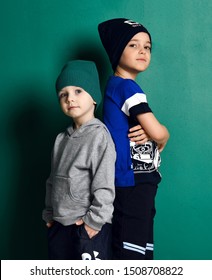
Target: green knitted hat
[[80, 73]]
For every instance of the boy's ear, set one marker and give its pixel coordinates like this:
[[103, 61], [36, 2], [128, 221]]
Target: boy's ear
[[94, 103]]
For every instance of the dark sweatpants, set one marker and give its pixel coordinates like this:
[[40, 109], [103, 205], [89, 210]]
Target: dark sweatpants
[[73, 243], [133, 222]]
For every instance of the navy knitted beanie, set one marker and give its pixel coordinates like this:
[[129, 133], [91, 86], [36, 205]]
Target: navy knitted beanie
[[80, 73], [115, 34]]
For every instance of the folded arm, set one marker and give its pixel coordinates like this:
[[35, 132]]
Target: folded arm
[[154, 129]]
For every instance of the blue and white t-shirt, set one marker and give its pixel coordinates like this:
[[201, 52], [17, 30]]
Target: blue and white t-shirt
[[123, 101]]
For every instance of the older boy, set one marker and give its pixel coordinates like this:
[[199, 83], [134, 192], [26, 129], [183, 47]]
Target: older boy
[[80, 189], [128, 45]]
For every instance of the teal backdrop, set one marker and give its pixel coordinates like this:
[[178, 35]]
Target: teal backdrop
[[37, 38]]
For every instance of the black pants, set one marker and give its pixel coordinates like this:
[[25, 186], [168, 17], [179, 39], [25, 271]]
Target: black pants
[[133, 222], [73, 243]]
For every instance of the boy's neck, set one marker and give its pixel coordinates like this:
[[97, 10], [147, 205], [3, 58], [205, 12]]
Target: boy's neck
[[120, 72], [81, 121]]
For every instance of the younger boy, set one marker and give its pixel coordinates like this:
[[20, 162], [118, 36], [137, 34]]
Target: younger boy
[[80, 189], [128, 45]]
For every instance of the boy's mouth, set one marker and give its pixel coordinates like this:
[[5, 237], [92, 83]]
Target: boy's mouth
[[141, 59], [72, 107]]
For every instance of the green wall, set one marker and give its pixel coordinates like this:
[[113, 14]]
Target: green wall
[[37, 38]]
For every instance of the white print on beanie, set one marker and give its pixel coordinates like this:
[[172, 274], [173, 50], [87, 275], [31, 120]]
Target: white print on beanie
[[132, 23]]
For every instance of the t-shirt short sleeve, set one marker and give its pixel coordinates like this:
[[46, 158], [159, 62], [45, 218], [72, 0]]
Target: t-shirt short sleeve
[[132, 100]]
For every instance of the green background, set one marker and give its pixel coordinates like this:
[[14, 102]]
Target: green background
[[37, 38]]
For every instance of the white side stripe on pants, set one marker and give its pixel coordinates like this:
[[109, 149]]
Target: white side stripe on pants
[[150, 246], [136, 248]]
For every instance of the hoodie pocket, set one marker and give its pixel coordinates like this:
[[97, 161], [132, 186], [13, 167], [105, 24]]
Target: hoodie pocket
[[68, 194]]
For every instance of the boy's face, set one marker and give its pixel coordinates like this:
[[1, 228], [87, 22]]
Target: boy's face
[[136, 55], [76, 103]]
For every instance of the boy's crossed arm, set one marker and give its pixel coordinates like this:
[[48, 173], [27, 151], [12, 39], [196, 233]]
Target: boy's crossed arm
[[154, 129]]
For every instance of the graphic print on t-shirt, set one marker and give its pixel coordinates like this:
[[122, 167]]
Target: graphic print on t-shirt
[[145, 157]]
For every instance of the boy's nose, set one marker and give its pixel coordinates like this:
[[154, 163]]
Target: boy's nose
[[142, 50], [70, 98]]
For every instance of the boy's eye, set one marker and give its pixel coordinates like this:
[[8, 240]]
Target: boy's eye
[[148, 48], [78, 91], [63, 95], [133, 45]]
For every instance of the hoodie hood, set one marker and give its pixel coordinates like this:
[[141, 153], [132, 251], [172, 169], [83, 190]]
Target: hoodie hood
[[87, 127]]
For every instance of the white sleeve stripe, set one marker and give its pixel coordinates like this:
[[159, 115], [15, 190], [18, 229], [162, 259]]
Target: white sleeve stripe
[[136, 99]]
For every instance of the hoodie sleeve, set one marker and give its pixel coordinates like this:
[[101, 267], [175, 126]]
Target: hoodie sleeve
[[102, 185], [47, 213]]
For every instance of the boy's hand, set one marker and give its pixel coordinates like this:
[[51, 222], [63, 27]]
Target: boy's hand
[[138, 135], [50, 224], [90, 231], [161, 146]]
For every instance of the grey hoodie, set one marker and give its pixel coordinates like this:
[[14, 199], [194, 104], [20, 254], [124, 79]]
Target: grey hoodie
[[81, 183]]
